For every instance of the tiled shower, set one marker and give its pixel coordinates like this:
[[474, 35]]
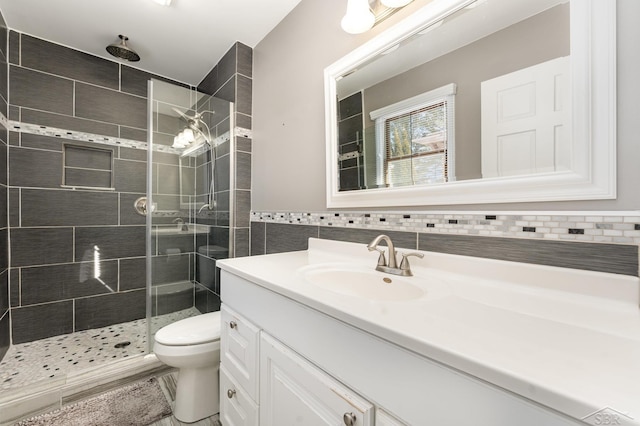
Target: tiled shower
[[74, 160]]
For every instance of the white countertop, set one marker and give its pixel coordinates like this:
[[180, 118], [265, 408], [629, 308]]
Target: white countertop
[[567, 339]]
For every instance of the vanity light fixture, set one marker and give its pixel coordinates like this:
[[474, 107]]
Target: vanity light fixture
[[358, 18], [362, 15]]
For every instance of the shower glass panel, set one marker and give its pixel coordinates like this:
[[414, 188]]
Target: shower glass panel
[[188, 201]]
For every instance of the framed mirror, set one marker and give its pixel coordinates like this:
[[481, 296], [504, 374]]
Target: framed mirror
[[487, 101]]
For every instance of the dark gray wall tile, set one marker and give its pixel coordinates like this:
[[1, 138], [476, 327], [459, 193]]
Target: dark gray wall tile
[[3, 162], [60, 60], [258, 238], [4, 249], [135, 81], [133, 273], [241, 242], [68, 208], [14, 47], [133, 154], [41, 91], [205, 272], [60, 282], [227, 65], [133, 134], [88, 178], [168, 269], [30, 140], [243, 209], [166, 158], [245, 60], [14, 137], [209, 83], [4, 291], [168, 179], [41, 321], [5, 333], [243, 170], [200, 301], [243, 144], [168, 244], [400, 239], [282, 237], [109, 309], [41, 246], [4, 218], [243, 121], [34, 168], [108, 105], [613, 258], [169, 300], [14, 287], [71, 123], [243, 94], [227, 91], [222, 174], [130, 176], [14, 113], [14, 207], [113, 241]]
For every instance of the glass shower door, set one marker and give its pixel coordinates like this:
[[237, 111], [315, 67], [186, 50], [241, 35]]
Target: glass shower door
[[188, 201]]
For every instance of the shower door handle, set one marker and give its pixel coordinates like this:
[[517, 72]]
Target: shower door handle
[[140, 205]]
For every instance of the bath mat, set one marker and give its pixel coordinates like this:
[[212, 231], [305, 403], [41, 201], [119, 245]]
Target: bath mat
[[138, 404]]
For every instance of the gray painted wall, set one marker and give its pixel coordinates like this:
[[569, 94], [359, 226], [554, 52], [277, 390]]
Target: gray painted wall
[[288, 110]]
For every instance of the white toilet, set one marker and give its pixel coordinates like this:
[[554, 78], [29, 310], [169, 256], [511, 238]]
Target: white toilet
[[193, 346]]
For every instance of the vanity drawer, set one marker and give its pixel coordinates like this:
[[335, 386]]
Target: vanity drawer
[[236, 407], [239, 350]]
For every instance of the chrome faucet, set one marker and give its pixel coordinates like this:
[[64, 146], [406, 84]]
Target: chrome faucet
[[391, 266], [181, 225]]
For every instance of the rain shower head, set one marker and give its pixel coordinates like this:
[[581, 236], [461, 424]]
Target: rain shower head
[[120, 50]]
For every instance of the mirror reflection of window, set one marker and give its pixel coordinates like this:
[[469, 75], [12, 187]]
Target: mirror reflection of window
[[415, 139], [416, 147]]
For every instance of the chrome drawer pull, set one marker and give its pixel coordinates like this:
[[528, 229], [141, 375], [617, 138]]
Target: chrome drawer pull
[[233, 324], [349, 419], [230, 393]]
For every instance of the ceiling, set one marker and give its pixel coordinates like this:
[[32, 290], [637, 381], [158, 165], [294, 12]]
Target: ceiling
[[183, 41]]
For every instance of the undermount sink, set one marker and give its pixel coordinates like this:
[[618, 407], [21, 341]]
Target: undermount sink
[[361, 282]]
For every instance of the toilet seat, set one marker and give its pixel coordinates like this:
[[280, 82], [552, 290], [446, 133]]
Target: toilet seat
[[196, 330]]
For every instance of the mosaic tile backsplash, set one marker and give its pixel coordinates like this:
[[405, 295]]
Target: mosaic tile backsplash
[[597, 227]]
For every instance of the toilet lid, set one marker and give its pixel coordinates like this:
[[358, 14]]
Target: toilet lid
[[203, 328]]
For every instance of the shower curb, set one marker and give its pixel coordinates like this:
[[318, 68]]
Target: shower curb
[[40, 398]]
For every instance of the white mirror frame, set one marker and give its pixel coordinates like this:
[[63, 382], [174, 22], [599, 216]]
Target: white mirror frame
[[593, 97]]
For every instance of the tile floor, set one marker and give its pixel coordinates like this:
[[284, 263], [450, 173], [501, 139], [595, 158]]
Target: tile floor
[[54, 357]]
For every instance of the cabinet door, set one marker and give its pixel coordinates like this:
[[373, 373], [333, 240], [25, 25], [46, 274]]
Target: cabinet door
[[294, 392], [239, 350], [236, 408]]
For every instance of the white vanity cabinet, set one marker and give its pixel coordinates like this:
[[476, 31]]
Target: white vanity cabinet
[[294, 392], [239, 341], [256, 367], [303, 351]]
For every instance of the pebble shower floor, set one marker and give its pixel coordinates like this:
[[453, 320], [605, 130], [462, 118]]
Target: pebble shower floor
[[57, 356]]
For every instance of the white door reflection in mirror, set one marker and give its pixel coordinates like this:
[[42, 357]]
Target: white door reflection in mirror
[[525, 121]]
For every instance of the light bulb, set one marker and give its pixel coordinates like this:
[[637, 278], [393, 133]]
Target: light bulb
[[188, 136], [163, 2], [395, 3], [358, 18]]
